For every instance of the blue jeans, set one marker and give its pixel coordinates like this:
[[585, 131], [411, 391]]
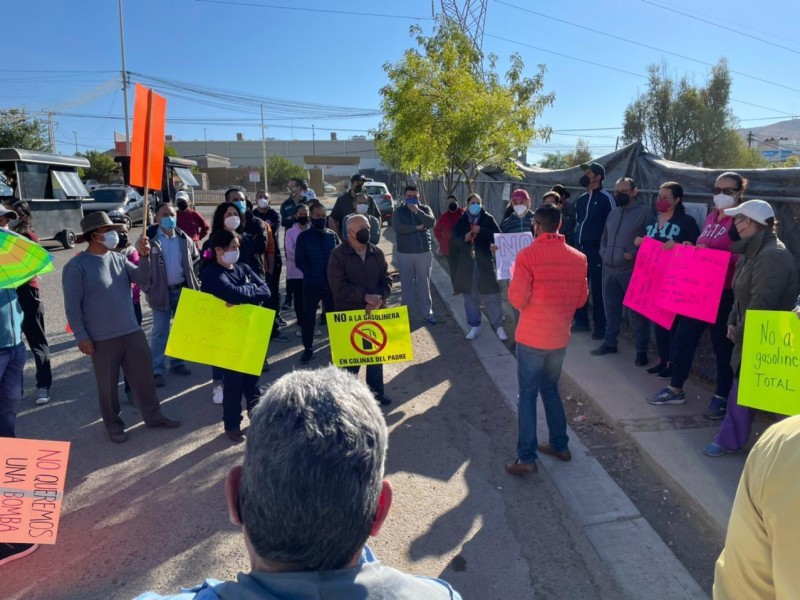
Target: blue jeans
[[538, 372], [472, 304], [160, 333], [12, 362], [238, 385]]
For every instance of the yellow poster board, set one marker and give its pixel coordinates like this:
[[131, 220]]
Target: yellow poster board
[[770, 373], [383, 336], [208, 332]]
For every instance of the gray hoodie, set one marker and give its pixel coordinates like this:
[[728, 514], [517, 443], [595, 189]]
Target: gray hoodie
[[624, 224]]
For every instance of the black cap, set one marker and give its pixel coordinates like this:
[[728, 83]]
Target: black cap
[[561, 191], [357, 177], [596, 168]]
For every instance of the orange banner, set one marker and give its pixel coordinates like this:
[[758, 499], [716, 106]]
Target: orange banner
[[32, 476], [147, 143]]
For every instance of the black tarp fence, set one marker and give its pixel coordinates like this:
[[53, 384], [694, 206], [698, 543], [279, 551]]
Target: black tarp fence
[[779, 187]]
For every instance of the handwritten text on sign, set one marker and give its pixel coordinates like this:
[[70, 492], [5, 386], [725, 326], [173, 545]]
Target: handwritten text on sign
[[646, 281], [508, 246], [693, 281], [770, 373], [383, 336], [32, 475], [208, 332]]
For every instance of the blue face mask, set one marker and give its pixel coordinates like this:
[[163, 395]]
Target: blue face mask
[[474, 209], [169, 222], [412, 200], [240, 204]]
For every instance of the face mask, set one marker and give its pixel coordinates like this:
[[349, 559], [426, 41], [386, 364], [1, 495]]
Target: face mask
[[362, 208], [110, 239], [362, 235], [183, 205], [302, 220], [357, 187], [663, 205], [263, 203], [241, 205], [168, 222], [584, 181], [733, 233], [319, 223], [412, 200], [474, 209], [452, 207], [622, 199], [123, 240], [723, 201], [232, 223], [13, 223], [520, 209], [231, 257]]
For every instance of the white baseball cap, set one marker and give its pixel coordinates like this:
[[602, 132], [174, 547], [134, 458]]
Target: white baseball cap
[[758, 210], [181, 196], [4, 212]]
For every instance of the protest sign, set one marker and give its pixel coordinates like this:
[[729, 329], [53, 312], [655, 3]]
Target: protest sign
[[508, 246], [646, 281], [32, 477], [383, 336], [147, 144], [693, 281], [208, 332], [770, 373]]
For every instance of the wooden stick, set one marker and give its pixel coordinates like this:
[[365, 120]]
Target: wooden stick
[[148, 129]]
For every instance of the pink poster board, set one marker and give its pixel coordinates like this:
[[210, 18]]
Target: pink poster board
[[646, 281], [693, 282]]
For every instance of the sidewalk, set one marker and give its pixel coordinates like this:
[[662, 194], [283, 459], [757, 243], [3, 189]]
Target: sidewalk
[[639, 561]]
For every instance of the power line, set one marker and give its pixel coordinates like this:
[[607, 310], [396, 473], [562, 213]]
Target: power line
[[316, 10], [712, 23]]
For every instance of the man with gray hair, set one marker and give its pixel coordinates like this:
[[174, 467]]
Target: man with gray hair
[[310, 493]]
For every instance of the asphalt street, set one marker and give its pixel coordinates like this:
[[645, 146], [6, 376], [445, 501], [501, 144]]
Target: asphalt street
[[150, 514]]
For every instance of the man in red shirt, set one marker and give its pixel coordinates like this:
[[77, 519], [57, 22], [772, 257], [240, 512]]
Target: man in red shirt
[[549, 284], [191, 222]]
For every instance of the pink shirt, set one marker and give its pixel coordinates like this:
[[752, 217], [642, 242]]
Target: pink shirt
[[714, 235]]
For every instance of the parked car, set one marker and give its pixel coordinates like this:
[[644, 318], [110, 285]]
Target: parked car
[[328, 188], [91, 184], [380, 193], [122, 203]]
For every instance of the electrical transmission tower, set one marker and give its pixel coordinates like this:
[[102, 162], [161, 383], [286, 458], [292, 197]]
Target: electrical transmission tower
[[470, 15]]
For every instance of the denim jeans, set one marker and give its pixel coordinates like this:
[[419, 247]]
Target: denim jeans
[[538, 372], [12, 362], [472, 304], [160, 333], [415, 270], [614, 288], [238, 385]]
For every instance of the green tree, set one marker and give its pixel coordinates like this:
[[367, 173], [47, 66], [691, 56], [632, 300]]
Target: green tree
[[688, 123], [445, 112], [20, 130], [101, 165], [280, 170], [557, 160], [170, 151]]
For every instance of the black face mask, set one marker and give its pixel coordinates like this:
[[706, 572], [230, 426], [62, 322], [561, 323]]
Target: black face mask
[[584, 181], [733, 233], [183, 205], [123, 240], [452, 207], [319, 223], [302, 220], [622, 199], [357, 187], [362, 235]]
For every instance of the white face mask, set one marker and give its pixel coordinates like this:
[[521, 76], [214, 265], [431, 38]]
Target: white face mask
[[231, 257], [362, 208], [111, 239], [520, 209], [723, 201], [13, 223], [263, 203], [232, 223]]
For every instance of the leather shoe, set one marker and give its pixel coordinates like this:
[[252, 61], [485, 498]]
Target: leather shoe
[[235, 435], [118, 437], [166, 423], [383, 400], [180, 370], [603, 350], [519, 468], [550, 451], [159, 381]]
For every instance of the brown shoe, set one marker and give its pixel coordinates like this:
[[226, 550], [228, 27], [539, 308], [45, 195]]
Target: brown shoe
[[235, 435], [548, 449], [118, 437], [166, 423], [519, 468]]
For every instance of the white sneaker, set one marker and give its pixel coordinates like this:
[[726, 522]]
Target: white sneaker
[[473, 333], [43, 396], [216, 396], [501, 333]]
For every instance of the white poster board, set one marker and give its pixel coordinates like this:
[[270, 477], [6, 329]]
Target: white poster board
[[508, 246]]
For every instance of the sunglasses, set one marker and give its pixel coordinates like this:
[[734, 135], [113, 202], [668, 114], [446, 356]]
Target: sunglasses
[[726, 191]]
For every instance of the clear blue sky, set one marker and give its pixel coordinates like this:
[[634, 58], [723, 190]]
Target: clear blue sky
[[63, 56]]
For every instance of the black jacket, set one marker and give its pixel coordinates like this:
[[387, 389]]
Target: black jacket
[[312, 253], [591, 212], [487, 278]]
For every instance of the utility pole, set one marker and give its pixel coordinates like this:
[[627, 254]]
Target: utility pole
[[124, 81], [749, 139], [75, 133], [313, 141], [264, 150], [205, 141], [51, 133]]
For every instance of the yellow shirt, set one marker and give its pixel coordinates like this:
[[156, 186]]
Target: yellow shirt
[[761, 558]]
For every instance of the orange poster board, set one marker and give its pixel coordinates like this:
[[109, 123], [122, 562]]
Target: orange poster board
[[32, 476], [147, 143]]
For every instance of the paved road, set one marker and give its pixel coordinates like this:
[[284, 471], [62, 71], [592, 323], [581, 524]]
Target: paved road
[[149, 514]]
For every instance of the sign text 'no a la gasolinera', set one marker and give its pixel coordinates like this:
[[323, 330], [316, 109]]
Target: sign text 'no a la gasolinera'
[[382, 336]]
